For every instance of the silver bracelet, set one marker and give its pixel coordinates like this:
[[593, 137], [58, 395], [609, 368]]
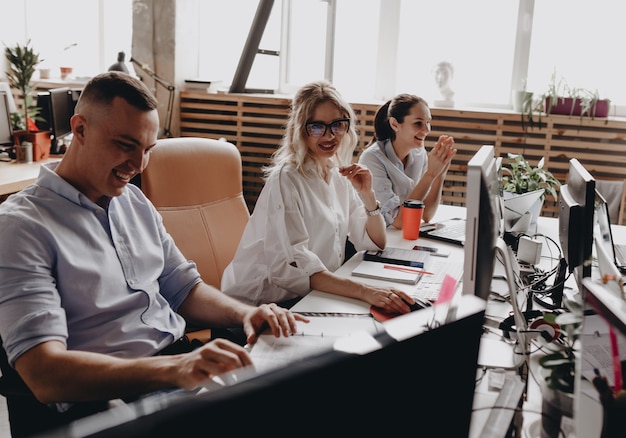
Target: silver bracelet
[[374, 212]]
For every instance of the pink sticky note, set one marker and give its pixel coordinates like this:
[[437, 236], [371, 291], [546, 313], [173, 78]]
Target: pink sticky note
[[448, 286]]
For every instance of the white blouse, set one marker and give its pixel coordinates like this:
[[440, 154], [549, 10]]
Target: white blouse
[[393, 182], [298, 228]]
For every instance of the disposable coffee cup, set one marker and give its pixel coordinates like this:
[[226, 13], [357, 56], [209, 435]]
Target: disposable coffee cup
[[412, 210]]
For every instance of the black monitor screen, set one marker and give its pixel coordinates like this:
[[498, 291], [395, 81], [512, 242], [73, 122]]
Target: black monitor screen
[[6, 134], [576, 219], [61, 111], [403, 388], [483, 221]]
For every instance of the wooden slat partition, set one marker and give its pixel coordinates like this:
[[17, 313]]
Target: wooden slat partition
[[255, 125]]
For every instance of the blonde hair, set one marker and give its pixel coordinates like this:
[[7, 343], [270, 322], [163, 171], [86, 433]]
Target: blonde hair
[[293, 148]]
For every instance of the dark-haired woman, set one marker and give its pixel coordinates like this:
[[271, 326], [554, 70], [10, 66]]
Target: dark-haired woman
[[400, 165]]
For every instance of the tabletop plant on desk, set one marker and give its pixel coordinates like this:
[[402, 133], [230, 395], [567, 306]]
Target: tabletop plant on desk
[[559, 365], [519, 177], [23, 61]]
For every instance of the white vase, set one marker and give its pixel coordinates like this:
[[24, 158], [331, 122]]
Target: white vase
[[522, 211]]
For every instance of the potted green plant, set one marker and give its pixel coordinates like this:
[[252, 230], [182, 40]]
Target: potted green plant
[[521, 180], [559, 367], [519, 176], [561, 98], [23, 61]]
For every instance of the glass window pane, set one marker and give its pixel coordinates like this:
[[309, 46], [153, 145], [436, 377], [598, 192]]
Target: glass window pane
[[477, 37], [578, 40], [76, 37], [222, 41], [356, 40], [307, 41]]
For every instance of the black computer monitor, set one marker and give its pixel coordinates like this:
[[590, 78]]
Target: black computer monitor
[[6, 131], [56, 110], [484, 222], [576, 220], [417, 382], [62, 110]]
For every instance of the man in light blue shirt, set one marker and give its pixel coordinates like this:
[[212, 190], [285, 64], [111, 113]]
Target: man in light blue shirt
[[92, 287]]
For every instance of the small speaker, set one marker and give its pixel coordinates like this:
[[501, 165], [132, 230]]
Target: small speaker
[[529, 250]]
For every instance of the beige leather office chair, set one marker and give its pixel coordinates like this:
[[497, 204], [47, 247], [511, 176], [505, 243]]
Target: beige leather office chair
[[614, 192], [196, 184]]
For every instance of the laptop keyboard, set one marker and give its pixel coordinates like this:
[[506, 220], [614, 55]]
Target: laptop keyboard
[[620, 254], [429, 285], [455, 231]]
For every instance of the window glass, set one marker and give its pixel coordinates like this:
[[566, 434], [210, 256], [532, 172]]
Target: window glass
[[580, 41], [356, 40], [306, 41], [80, 37], [477, 38], [223, 31]]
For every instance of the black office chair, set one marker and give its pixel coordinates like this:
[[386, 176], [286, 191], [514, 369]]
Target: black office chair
[[28, 416]]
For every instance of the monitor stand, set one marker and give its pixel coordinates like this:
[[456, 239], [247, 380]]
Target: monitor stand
[[496, 352]]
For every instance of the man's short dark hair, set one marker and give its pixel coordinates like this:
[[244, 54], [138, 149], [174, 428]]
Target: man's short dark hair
[[105, 87]]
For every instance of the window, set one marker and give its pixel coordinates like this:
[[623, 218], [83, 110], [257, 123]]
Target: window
[[223, 30], [388, 47], [83, 34], [479, 38], [581, 41], [476, 37]]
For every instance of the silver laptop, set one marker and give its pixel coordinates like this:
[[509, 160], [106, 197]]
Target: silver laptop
[[604, 234]]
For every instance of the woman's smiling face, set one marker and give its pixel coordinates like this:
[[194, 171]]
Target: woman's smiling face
[[325, 146]]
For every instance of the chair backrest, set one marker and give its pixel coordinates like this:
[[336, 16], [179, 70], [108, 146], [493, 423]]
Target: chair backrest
[[614, 192], [196, 185]]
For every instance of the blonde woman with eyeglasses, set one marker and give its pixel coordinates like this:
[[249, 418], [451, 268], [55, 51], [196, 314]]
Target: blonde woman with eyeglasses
[[314, 198]]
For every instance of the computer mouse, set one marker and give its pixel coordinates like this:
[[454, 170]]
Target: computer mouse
[[419, 304]]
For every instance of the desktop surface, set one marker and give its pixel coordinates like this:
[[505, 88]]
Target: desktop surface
[[15, 176]]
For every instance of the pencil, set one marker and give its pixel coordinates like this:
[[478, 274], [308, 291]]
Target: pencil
[[402, 268]]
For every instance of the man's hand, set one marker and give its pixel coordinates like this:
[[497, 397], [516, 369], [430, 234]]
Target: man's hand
[[281, 322]]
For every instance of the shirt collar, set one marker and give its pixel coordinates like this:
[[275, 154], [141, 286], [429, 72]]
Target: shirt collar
[[51, 180], [390, 153]]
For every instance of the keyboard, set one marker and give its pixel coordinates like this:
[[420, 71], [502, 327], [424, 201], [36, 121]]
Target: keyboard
[[429, 286], [620, 254], [451, 231]]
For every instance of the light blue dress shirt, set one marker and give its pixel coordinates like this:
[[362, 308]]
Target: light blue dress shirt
[[106, 281], [393, 182]]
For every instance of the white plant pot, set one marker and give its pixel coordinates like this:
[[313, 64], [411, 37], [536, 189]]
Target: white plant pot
[[522, 211]]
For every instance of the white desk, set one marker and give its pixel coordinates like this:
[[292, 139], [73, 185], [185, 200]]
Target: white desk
[[15, 176], [317, 301], [591, 415]]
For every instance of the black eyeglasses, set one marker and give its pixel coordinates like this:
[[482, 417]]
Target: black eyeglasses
[[337, 127]]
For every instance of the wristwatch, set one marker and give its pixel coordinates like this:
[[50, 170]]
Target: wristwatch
[[376, 211]]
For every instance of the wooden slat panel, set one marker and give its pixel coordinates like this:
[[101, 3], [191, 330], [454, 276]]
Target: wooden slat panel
[[255, 124]]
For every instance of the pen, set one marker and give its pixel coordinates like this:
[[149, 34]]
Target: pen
[[401, 268]]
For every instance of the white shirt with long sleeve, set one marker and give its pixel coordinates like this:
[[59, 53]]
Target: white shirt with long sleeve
[[298, 228]]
